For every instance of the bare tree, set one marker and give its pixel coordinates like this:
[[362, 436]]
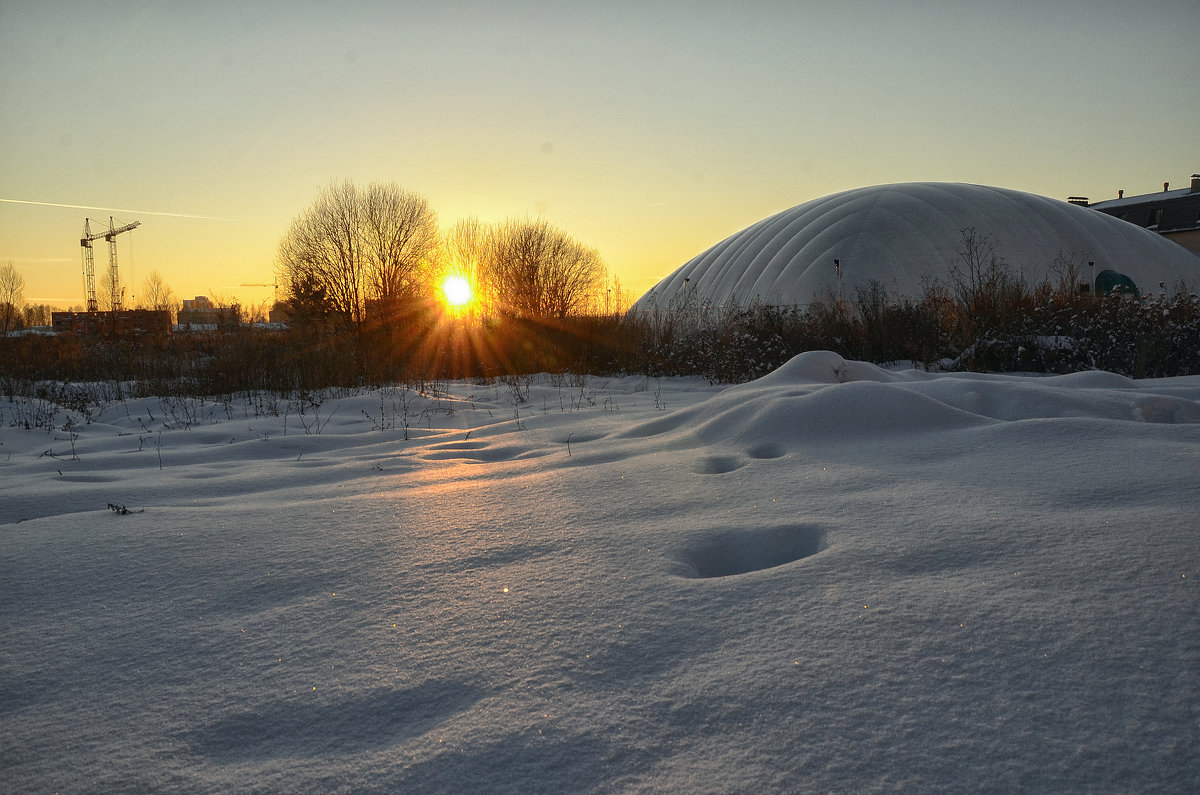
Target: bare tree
[[616, 302], [1068, 272], [258, 313], [12, 296], [467, 243], [320, 254], [229, 309], [981, 280], [352, 246], [110, 293], [399, 235], [535, 270], [156, 293], [463, 253], [37, 315]]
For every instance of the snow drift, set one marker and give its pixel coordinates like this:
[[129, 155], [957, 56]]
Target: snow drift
[[834, 578]]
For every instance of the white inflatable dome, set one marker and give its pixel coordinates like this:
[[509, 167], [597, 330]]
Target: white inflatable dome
[[904, 234]]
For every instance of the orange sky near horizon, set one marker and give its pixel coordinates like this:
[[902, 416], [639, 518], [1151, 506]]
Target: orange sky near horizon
[[648, 131]]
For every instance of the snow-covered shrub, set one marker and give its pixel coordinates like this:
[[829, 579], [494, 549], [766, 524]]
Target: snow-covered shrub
[[1140, 338]]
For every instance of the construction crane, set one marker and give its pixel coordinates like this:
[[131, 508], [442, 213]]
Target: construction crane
[[263, 284], [89, 263]]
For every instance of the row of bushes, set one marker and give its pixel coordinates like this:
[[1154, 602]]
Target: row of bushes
[[1035, 329]]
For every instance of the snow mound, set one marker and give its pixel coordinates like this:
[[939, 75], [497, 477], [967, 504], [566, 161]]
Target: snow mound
[[824, 367], [1015, 399], [845, 412], [1093, 379], [820, 397]]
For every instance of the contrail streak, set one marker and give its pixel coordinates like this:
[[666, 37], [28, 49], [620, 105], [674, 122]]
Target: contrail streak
[[115, 210]]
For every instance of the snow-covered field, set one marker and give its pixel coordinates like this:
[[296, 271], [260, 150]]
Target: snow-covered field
[[834, 578]]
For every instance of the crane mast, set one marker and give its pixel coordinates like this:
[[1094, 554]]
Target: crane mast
[[89, 262]]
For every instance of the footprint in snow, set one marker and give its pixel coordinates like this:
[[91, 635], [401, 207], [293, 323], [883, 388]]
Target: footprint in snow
[[717, 465], [310, 725], [766, 450], [732, 552]]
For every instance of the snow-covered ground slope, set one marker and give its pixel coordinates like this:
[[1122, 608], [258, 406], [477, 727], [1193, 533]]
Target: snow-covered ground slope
[[834, 578]]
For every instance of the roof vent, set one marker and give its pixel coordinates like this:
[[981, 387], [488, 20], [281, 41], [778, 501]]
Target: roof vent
[[1082, 201], [1120, 194], [1166, 186], [1195, 183]]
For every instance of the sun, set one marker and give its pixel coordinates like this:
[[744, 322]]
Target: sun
[[456, 291]]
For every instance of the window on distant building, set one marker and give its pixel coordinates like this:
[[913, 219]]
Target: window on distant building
[[1155, 216]]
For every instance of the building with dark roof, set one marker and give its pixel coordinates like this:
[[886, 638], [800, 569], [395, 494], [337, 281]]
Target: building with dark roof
[[1174, 214], [121, 323]]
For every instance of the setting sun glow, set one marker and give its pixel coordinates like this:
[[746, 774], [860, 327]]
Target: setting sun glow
[[456, 291]]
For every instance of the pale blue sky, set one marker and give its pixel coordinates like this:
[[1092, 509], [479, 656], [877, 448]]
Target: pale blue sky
[[648, 130]]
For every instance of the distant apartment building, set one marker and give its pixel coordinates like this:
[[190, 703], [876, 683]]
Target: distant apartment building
[[1174, 214], [200, 311]]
